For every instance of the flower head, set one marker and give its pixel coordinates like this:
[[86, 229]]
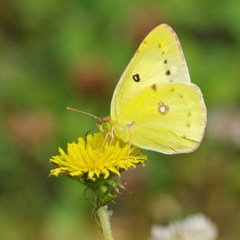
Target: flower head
[[196, 227], [96, 157]]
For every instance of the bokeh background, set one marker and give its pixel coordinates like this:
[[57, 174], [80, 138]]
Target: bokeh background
[[59, 53]]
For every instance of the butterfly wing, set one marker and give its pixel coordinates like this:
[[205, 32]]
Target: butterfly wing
[[165, 117], [158, 59]]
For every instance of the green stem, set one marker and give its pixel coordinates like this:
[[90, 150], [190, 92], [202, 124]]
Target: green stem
[[104, 222]]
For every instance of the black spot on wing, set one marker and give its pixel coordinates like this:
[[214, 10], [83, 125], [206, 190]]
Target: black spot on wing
[[154, 87], [136, 77], [168, 73]]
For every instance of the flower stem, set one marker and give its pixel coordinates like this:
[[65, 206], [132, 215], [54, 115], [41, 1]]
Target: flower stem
[[104, 222]]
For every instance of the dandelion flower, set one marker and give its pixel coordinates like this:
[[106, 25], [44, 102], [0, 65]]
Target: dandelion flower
[[96, 158], [196, 227]]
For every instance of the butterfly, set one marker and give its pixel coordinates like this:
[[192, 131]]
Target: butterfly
[[155, 106]]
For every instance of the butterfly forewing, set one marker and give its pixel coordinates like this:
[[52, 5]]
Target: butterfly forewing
[[158, 59]]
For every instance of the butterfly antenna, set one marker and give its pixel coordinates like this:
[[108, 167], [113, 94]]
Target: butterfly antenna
[[86, 113]]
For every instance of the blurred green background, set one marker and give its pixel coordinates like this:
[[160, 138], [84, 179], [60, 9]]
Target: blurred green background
[[71, 53]]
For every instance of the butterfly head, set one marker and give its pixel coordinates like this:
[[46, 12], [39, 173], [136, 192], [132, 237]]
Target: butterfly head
[[104, 124]]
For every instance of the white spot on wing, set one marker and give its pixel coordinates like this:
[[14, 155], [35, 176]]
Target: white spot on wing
[[162, 108]]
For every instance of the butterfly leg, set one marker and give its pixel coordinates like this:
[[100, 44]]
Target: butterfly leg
[[105, 138], [129, 148], [112, 135], [86, 134]]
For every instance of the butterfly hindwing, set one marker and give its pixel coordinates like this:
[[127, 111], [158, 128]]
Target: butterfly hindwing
[[164, 117]]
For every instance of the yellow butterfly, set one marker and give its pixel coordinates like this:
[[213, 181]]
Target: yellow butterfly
[[155, 106]]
